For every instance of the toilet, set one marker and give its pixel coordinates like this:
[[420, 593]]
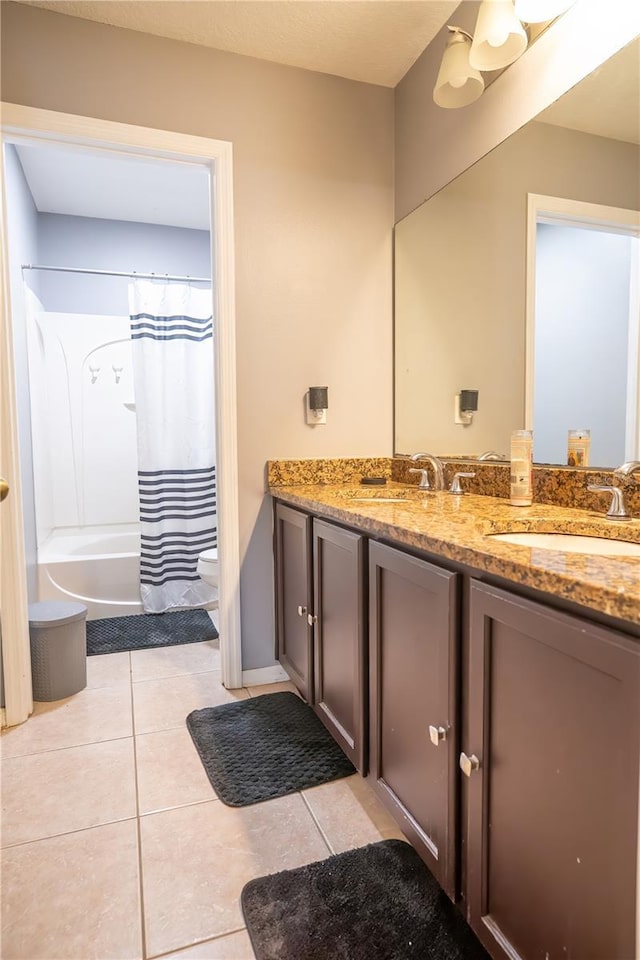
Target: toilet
[[208, 566]]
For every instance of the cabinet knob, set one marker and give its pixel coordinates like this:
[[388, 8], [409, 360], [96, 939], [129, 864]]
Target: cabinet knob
[[436, 734], [302, 611], [469, 764], [311, 619]]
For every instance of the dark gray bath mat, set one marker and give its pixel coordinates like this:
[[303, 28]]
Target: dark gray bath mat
[[376, 903], [117, 634], [263, 748]]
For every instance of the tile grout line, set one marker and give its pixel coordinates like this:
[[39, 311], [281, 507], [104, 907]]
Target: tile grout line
[[197, 943], [317, 823], [143, 932], [67, 833], [70, 746], [178, 806], [175, 676]]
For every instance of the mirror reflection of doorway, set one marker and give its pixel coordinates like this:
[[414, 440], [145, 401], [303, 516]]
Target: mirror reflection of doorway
[[583, 331]]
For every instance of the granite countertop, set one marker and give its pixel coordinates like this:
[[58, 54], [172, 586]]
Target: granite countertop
[[457, 527]]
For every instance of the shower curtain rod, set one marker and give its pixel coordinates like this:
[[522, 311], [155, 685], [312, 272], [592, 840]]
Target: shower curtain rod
[[117, 273]]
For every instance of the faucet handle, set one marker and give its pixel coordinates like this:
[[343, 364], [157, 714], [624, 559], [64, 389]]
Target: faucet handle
[[455, 483], [617, 510], [424, 478]]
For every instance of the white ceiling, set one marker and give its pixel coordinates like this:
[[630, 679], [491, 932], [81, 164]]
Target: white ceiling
[[82, 183], [607, 102], [375, 41]]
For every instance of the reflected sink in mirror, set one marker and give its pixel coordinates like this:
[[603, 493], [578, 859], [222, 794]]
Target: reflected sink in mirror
[[572, 543]]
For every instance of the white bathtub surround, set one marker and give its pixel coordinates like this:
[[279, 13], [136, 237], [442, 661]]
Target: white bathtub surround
[[173, 360], [84, 437]]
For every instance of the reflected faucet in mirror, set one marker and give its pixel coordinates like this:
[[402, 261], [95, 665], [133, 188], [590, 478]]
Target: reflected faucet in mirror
[[438, 471], [628, 468]]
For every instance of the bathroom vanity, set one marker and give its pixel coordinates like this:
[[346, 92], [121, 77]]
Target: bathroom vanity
[[489, 691]]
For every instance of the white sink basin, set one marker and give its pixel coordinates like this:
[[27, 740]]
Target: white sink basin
[[570, 543]]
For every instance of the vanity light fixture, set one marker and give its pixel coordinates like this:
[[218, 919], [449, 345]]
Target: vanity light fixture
[[539, 11], [458, 82], [499, 37]]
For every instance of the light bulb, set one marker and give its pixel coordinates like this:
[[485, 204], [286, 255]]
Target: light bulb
[[497, 37]]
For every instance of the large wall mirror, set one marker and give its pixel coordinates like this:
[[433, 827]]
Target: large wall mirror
[[520, 279]]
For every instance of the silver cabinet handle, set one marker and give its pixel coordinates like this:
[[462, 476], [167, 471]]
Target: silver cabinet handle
[[469, 764], [437, 734], [311, 619], [302, 611]]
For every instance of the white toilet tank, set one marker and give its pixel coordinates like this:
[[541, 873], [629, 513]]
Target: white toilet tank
[[208, 566]]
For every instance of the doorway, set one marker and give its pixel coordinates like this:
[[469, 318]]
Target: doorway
[[582, 329], [26, 129]]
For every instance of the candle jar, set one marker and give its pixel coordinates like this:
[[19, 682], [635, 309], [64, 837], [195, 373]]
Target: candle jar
[[578, 448]]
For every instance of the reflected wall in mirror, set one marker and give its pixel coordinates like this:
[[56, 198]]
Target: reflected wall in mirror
[[470, 293]]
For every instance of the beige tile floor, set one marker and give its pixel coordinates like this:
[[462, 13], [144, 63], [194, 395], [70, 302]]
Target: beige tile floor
[[114, 844]]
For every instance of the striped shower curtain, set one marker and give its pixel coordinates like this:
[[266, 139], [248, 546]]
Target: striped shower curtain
[[172, 343]]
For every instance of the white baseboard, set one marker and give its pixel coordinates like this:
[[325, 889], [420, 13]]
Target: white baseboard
[[273, 674]]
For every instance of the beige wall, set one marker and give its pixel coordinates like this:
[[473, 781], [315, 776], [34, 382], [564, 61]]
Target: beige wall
[[432, 145], [313, 179], [460, 282]]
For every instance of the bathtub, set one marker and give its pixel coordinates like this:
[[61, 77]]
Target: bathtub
[[98, 566]]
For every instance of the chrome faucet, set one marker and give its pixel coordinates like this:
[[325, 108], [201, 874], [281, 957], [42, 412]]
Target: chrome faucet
[[626, 469], [492, 455], [438, 471]]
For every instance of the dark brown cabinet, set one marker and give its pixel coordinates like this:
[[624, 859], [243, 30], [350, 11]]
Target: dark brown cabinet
[[552, 758], [339, 636], [294, 632], [413, 679], [502, 734]]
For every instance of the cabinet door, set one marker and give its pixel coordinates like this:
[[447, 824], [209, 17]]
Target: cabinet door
[[293, 596], [554, 721], [413, 665], [339, 638]]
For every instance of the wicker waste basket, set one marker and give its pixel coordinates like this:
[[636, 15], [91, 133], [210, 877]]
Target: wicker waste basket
[[58, 634]]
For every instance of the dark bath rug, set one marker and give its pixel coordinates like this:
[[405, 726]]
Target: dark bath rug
[[376, 903], [266, 747], [117, 634]]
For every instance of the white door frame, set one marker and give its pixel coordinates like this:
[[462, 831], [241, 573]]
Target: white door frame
[[16, 655], [31, 125], [593, 216]]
